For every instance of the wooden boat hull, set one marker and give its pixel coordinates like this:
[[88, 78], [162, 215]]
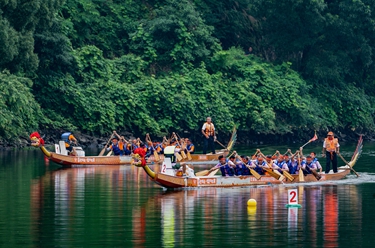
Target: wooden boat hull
[[169, 181], [69, 161]]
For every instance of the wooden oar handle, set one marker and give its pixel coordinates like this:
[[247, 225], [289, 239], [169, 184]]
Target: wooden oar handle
[[220, 144], [347, 163]]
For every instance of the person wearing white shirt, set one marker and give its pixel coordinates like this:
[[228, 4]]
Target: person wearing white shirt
[[208, 130]]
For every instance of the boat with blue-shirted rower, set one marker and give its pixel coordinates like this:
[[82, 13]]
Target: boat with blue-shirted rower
[[167, 177]]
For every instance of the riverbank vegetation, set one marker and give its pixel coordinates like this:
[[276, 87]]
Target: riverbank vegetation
[[164, 65]]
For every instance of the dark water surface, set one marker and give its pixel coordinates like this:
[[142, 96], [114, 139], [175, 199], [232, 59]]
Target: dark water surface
[[118, 206]]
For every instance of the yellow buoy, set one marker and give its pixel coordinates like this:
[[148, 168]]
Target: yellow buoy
[[251, 210], [251, 203]]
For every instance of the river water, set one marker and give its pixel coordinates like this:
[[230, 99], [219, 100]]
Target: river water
[[42, 205]]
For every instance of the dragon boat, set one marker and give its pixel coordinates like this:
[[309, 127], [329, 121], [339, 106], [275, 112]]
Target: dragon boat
[[62, 158], [169, 178]]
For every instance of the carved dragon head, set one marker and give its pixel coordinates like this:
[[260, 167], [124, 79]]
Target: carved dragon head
[[36, 139]]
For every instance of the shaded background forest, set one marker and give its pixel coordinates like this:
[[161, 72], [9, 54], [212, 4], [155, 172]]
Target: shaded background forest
[[157, 66]]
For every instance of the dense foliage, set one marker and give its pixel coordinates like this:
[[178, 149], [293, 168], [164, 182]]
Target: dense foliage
[[164, 65]]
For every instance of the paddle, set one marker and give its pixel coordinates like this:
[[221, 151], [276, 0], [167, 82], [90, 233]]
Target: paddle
[[287, 175], [220, 144], [213, 173], [301, 176], [315, 174], [252, 171], [182, 150], [277, 175], [156, 155], [105, 147], [346, 162], [187, 151]]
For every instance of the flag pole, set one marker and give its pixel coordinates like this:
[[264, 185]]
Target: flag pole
[[312, 139]]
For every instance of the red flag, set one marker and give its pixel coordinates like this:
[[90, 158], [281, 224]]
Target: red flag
[[314, 138]]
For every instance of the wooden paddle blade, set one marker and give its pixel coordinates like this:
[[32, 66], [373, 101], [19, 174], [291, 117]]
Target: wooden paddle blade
[[156, 156], [255, 174], [301, 177], [202, 173], [316, 175], [183, 154], [287, 175], [189, 156], [212, 173], [102, 151], [272, 174], [178, 156], [109, 154]]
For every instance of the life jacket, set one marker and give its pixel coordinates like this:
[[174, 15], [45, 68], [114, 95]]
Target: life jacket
[[65, 137], [121, 145], [159, 148], [280, 165], [116, 149], [190, 148], [227, 170], [331, 145], [308, 167], [134, 147], [209, 129], [258, 167], [292, 166], [242, 169]]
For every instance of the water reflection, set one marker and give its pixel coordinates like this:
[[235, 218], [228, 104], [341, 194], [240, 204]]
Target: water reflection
[[119, 205]]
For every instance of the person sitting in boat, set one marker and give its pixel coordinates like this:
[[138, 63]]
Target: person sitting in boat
[[288, 161], [189, 146], [222, 163], [134, 144], [280, 164], [116, 147], [69, 140], [269, 160], [293, 166], [150, 149], [242, 166], [232, 164], [315, 160], [225, 169], [259, 164], [309, 166], [128, 149]]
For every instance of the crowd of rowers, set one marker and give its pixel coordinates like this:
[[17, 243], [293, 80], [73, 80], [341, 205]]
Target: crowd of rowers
[[120, 146], [292, 163]]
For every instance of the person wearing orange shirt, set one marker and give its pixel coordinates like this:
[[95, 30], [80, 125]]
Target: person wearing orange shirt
[[331, 148]]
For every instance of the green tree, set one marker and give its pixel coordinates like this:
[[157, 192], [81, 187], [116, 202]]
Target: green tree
[[19, 112]]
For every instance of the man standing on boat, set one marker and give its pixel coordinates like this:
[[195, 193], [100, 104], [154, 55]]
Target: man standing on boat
[[208, 130], [331, 147]]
